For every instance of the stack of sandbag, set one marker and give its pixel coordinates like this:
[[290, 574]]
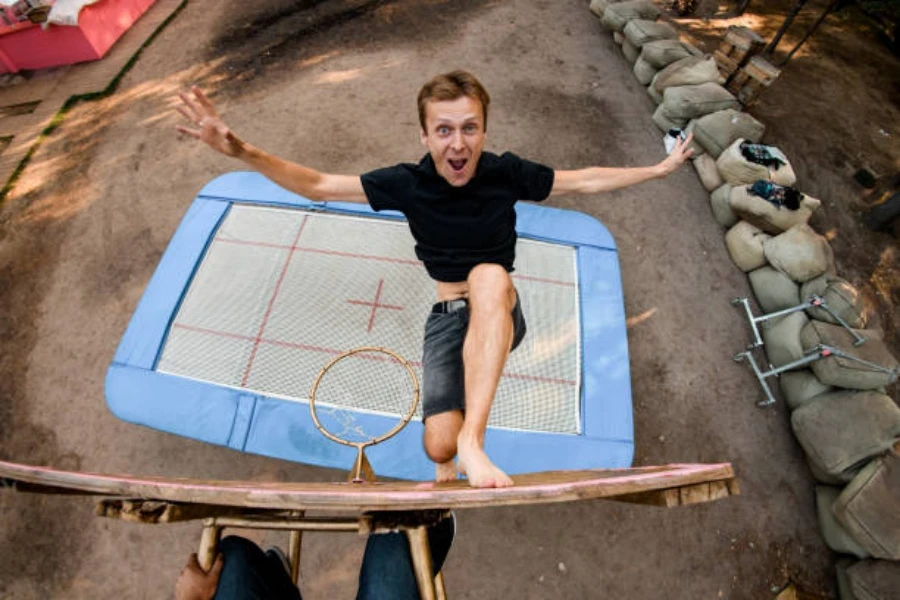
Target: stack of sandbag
[[715, 132], [745, 203], [616, 15], [868, 579], [683, 103], [690, 70], [738, 166], [639, 32], [862, 519]]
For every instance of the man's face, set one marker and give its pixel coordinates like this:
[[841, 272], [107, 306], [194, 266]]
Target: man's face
[[454, 137]]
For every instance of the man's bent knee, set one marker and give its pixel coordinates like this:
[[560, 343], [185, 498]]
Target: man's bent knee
[[441, 431]]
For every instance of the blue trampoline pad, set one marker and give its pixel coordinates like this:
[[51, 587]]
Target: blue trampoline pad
[[260, 288]]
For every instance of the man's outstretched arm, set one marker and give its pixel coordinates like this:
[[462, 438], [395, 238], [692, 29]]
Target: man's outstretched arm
[[315, 185], [594, 180]]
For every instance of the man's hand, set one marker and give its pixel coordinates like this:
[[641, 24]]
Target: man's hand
[[196, 584], [678, 156], [198, 109]]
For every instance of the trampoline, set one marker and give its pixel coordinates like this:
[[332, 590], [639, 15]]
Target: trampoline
[[259, 288]]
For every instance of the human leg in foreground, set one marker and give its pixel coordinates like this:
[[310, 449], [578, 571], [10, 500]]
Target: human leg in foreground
[[480, 334], [488, 343], [387, 568]]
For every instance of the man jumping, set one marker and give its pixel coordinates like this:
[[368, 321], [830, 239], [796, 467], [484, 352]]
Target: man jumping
[[459, 202]]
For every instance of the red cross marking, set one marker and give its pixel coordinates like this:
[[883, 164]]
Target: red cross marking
[[375, 305]]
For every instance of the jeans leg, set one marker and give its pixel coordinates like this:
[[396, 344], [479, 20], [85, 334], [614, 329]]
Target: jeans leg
[[249, 574], [387, 570]]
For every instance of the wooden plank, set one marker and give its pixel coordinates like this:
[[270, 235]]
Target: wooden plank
[[532, 488]]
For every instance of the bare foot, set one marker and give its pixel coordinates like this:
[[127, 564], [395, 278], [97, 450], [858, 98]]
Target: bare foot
[[445, 471], [476, 465]]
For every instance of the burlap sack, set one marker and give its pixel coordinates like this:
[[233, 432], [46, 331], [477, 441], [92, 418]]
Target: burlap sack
[[630, 52], [869, 507], [643, 71], [801, 387], [692, 101], [841, 431], [618, 37], [799, 252], [835, 536], [689, 129], [642, 31], [773, 289], [842, 298], [874, 580], [765, 215], [716, 131], [662, 53], [706, 169], [844, 372], [782, 338], [721, 207], [598, 7], [692, 70], [664, 122], [651, 91], [745, 246], [843, 582], [737, 170], [617, 15]]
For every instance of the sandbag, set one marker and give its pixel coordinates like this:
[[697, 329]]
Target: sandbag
[[691, 101], [782, 338], [841, 297], [721, 207], [834, 534], [773, 289], [799, 252], [630, 52], [716, 131], [664, 122], [661, 53], [692, 70], [643, 71], [642, 31], [737, 170], [874, 579], [598, 7], [706, 169], [841, 431], [801, 387], [869, 510], [765, 215], [844, 372], [617, 15], [745, 246], [651, 91], [843, 582]]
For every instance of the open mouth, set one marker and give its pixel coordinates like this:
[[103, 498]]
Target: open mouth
[[457, 164]]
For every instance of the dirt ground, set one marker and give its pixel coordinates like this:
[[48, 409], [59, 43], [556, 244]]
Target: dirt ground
[[332, 84]]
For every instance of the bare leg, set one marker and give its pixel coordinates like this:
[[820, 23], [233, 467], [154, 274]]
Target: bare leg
[[488, 340], [441, 431]]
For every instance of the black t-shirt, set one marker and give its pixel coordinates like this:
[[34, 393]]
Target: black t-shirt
[[456, 228]]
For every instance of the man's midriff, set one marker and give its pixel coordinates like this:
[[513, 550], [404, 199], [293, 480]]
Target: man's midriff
[[452, 290]]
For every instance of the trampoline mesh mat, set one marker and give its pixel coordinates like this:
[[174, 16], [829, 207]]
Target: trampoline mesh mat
[[281, 291]]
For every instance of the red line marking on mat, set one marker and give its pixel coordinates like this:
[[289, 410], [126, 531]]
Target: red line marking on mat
[[388, 259], [375, 305], [265, 320], [323, 350]]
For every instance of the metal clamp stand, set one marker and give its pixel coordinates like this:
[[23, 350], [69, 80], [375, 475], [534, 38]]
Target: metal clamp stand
[[819, 352], [813, 302]]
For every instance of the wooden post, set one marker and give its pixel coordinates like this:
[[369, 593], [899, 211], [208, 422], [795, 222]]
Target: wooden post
[[421, 558], [209, 544]]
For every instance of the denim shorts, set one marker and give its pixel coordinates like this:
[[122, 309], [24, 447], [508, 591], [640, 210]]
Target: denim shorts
[[443, 385]]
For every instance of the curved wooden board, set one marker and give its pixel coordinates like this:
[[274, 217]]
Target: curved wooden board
[[532, 488]]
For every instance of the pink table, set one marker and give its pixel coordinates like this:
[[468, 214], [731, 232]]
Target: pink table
[[27, 46]]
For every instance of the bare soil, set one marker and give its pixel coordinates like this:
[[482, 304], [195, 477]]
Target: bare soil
[[332, 83]]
